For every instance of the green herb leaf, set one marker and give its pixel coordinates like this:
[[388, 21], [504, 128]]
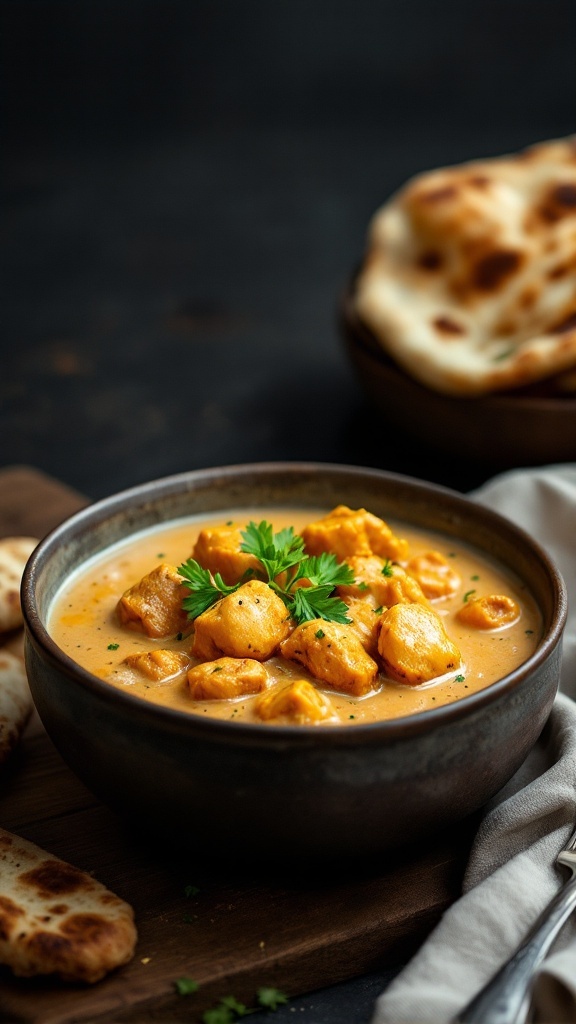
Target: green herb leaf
[[206, 589], [315, 603], [113, 647], [219, 1015], [276, 551], [231, 1003], [271, 998], [186, 986], [388, 568], [324, 571]]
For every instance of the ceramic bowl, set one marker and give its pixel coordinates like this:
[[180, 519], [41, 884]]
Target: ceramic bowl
[[529, 427], [330, 793]]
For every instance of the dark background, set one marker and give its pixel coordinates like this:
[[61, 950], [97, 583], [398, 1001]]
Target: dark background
[[186, 188]]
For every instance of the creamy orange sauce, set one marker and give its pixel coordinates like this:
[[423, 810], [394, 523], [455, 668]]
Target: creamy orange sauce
[[83, 622]]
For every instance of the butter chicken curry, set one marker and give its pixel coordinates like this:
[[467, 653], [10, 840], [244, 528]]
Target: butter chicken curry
[[295, 618]]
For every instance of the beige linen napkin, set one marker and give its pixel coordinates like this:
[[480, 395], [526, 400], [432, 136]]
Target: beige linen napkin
[[510, 876]]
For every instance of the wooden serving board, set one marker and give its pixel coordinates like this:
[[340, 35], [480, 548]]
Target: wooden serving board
[[239, 931]]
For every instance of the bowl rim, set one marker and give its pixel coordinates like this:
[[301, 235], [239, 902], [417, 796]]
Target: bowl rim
[[256, 734]]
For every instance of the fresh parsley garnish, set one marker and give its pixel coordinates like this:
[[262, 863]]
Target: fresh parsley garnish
[[284, 564]]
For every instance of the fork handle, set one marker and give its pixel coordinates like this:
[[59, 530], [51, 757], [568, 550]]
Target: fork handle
[[506, 998]]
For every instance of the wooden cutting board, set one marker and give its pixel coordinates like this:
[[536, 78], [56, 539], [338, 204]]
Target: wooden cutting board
[[238, 931]]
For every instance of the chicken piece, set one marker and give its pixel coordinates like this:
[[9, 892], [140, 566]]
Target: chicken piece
[[491, 612], [250, 623], [299, 701], [365, 623], [332, 652], [435, 575], [227, 678], [217, 549], [380, 580], [347, 532], [414, 646], [158, 665], [154, 605]]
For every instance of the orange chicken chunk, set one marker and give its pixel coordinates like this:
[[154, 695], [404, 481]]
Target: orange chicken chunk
[[489, 612], [347, 532], [250, 623], [381, 580], [434, 574], [226, 678], [332, 652], [158, 665], [154, 605], [218, 550], [414, 646], [299, 701], [365, 623]]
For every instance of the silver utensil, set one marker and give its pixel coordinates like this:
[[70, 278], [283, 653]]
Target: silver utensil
[[506, 997]]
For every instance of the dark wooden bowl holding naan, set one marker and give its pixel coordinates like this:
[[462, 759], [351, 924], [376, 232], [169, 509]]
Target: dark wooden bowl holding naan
[[334, 794], [460, 321], [530, 426]]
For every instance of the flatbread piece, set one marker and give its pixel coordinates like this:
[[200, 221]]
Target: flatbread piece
[[56, 919], [14, 553], [469, 276], [15, 702]]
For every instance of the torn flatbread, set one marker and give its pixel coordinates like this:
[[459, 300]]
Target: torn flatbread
[[15, 701], [469, 275], [14, 553], [56, 919]]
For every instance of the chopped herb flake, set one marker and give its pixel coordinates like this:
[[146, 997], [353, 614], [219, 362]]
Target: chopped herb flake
[[271, 998], [185, 986], [113, 647]]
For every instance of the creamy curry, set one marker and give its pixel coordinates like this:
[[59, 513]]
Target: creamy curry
[[364, 621]]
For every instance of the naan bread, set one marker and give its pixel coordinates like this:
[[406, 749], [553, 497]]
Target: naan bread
[[469, 276], [15, 701], [14, 553], [56, 919]]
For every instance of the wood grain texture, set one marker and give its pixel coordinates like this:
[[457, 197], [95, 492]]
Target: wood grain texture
[[238, 932]]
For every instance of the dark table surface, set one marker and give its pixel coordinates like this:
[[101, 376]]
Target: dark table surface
[[186, 190]]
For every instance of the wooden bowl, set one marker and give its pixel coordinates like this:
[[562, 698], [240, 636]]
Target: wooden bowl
[[297, 793], [507, 430]]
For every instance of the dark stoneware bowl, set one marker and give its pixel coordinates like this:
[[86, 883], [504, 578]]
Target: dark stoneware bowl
[[528, 427], [254, 791]]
